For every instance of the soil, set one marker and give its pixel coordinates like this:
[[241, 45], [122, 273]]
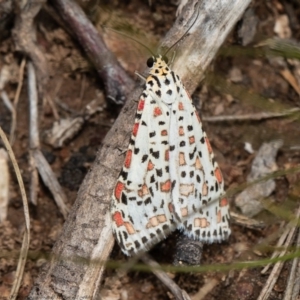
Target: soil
[[252, 83]]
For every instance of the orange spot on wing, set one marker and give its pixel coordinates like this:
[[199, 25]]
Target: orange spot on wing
[[218, 175], [192, 140], [135, 128], [208, 145], [182, 161], [219, 217], [184, 211], [150, 166], [143, 191], [201, 222], [141, 105], [204, 189], [118, 190], [180, 106], [128, 159], [167, 155], [129, 228], [156, 220], [166, 186], [181, 130], [164, 133], [157, 112], [186, 189], [223, 202], [198, 164], [117, 218]]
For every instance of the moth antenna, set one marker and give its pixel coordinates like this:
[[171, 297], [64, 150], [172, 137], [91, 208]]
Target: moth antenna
[[182, 35], [130, 37]]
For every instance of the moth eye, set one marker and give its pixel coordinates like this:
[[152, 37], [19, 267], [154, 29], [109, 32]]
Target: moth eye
[[165, 59], [150, 62]]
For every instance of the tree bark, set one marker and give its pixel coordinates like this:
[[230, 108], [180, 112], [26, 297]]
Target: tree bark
[[72, 272]]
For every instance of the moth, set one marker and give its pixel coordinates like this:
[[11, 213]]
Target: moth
[[170, 179]]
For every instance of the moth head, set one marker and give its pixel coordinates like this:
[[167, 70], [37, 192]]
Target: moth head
[[154, 59]]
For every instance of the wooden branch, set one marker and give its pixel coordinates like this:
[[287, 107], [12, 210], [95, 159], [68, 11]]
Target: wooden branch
[[117, 82], [177, 292], [24, 34], [87, 232]]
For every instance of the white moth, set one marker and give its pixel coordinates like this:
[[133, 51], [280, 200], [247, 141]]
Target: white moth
[[170, 178]]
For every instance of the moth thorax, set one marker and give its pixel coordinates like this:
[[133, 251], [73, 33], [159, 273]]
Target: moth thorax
[[161, 90]]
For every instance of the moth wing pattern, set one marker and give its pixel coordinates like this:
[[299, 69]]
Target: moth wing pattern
[[169, 178], [141, 198], [199, 208]]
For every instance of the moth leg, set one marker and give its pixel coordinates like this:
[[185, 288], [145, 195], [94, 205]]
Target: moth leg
[[140, 75]]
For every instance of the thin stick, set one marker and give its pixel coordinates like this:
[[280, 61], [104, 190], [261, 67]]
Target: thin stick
[[37, 156], [248, 117], [26, 237], [11, 108], [290, 78], [16, 101], [296, 287], [33, 133], [177, 292], [210, 284], [244, 221], [278, 266], [292, 288], [276, 253]]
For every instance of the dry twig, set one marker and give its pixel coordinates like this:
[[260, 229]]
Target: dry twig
[[293, 283], [4, 185], [24, 34], [37, 157], [244, 221], [177, 292], [16, 101], [252, 117], [287, 237], [116, 81], [26, 237], [209, 285]]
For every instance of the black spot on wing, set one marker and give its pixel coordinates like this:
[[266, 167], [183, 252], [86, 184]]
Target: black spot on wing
[[157, 81], [152, 179], [124, 199], [191, 155], [144, 158], [124, 174], [159, 172], [155, 154], [148, 201], [152, 134], [137, 244]]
